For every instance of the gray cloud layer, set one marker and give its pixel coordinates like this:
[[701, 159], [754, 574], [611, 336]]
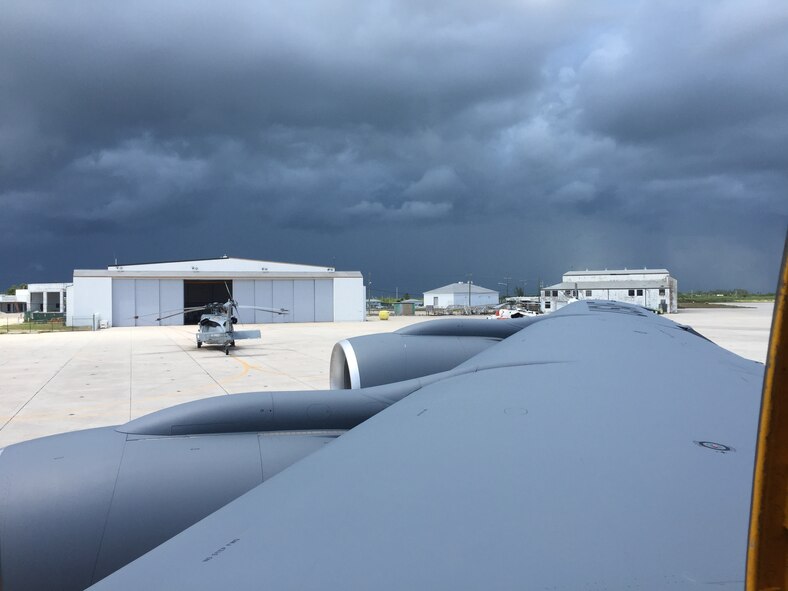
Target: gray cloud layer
[[417, 141]]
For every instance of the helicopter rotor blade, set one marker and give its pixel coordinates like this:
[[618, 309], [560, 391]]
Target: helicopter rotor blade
[[184, 311], [229, 293], [177, 312], [167, 312], [274, 310]]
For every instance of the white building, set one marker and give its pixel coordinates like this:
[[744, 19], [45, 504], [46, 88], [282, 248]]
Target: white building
[[460, 294], [650, 288], [135, 295], [38, 297]]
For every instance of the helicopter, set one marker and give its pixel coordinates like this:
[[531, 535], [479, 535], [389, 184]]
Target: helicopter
[[216, 326]]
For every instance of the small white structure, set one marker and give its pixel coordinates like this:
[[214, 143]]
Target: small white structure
[[136, 295], [38, 297], [11, 304], [650, 288], [460, 294]]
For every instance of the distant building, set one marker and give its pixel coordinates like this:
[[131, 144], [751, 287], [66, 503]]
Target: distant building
[[650, 288], [10, 304], [38, 297], [406, 307], [138, 294], [460, 294]]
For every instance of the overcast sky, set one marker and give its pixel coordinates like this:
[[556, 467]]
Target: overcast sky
[[418, 142]]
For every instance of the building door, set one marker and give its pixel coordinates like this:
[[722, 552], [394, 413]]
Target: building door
[[201, 293], [146, 300]]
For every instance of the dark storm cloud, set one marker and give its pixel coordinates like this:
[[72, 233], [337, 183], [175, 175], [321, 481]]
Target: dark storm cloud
[[614, 134]]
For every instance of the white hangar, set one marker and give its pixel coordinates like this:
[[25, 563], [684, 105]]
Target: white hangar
[[460, 294], [650, 288], [136, 295]]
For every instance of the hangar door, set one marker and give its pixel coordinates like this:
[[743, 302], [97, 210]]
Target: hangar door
[[139, 302], [307, 300], [123, 309], [203, 292]]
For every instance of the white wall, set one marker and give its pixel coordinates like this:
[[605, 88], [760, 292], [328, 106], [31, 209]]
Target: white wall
[[91, 295], [69, 305], [484, 299], [23, 295], [650, 297], [349, 299], [46, 286], [444, 299], [460, 298]]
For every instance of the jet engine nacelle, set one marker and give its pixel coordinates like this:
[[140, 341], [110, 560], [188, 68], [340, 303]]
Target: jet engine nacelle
[[415, 351]]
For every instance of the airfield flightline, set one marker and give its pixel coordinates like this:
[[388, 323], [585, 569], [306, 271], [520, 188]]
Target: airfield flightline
[[56, 382]]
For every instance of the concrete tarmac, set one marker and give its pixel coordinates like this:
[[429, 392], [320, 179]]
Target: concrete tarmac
[[56, 382]]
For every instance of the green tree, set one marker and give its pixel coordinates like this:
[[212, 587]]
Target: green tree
[[12, 290]]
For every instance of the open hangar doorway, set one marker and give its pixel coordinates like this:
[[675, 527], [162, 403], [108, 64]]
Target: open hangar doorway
[[198, 292]]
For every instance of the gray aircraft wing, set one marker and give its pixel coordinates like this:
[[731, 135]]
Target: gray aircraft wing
[[601, 448]]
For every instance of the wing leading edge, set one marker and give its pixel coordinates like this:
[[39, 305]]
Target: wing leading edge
[[602, 448]]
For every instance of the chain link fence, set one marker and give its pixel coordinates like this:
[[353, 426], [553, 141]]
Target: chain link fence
[[48, 322]]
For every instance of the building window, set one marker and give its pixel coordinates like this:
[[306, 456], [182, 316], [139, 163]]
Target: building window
[[567, 292], [546, 305], [555, 293], [631, 292], [640, 292], [588, 293], [662, 291]]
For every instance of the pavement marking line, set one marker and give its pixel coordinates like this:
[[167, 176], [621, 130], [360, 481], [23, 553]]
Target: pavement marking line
[[206, 387], [247, 367], [258, 368], [190, 356], [290, 376], [37, 392]]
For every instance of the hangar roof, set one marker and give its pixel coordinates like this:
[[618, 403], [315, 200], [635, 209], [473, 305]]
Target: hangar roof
[[461, 287], [228, 274], [620, 272], [224, 263], [219, 268]]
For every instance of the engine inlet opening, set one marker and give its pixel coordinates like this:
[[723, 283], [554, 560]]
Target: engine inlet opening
[[343, 370]]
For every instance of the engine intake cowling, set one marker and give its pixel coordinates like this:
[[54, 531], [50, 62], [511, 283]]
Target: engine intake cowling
[[373, 360], [414, 351]]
